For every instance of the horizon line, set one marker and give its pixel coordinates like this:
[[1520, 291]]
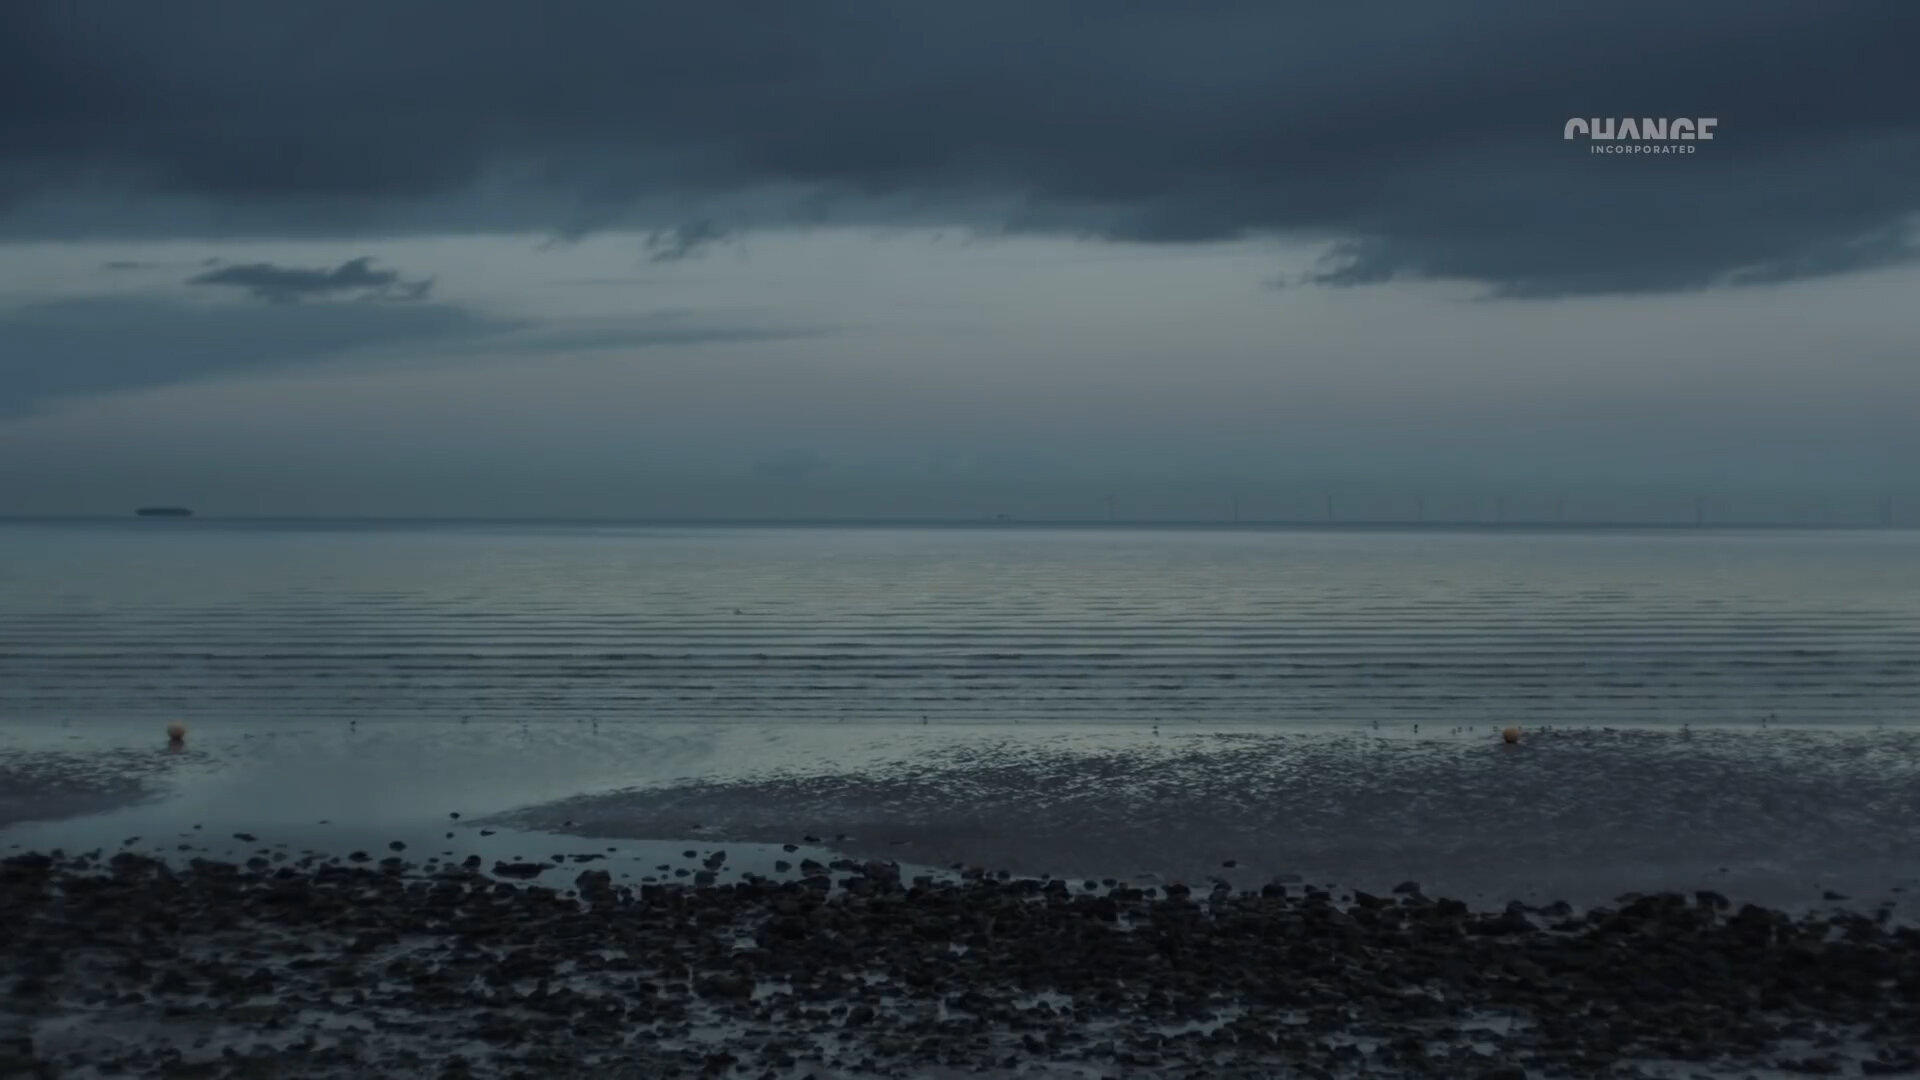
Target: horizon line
[[990, 522]]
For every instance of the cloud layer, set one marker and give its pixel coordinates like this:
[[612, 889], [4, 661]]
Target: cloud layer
[[105, 344], [1416, 140], [287, 285], [93, 345]]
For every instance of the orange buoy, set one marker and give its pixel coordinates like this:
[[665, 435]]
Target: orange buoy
[[176, 732], [1511, 735]]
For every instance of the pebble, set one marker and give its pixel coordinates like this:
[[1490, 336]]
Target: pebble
[[487, 975]]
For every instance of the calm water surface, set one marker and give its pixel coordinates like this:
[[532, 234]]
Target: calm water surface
[[268, 622]]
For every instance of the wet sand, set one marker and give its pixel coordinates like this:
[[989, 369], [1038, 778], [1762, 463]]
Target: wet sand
[[1779, 816], [53, 786]]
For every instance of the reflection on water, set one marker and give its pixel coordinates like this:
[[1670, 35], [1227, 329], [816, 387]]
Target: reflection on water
[[311, 624]]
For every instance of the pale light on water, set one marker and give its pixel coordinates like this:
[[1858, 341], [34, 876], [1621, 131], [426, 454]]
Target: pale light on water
[[265, 623]]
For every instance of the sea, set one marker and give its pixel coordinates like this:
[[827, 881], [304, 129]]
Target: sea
[[1736, 708]]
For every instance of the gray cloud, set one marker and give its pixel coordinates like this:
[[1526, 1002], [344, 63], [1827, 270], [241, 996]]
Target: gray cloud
[[1421, 140], [98, 345], [121, 265], [89, 346], [683, 241], [286, 285], [1883, 247], [659, 328]]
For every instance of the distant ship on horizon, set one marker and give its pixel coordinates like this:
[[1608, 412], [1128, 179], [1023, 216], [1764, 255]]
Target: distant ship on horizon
[[164, 511]]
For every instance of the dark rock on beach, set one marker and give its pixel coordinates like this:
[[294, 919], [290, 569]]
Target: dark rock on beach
[[341, 970], [520, 869]]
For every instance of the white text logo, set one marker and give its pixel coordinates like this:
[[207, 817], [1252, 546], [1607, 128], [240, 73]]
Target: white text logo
[[1642, 135]]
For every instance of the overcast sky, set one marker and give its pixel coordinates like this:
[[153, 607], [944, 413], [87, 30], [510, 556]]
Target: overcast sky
[[474, 257]]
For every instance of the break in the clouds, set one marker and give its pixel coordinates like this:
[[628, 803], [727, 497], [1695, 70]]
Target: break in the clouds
[[286, 284], [1411, 139]]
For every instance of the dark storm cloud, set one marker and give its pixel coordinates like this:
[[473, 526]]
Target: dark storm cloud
[[88, 346], [1423, 140], [286, 285]]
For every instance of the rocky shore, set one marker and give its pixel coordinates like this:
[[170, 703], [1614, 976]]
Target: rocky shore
[[130, 965]]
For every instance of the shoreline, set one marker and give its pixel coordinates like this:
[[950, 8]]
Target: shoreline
[[1780, 816], [311, 965], [299, 902]]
